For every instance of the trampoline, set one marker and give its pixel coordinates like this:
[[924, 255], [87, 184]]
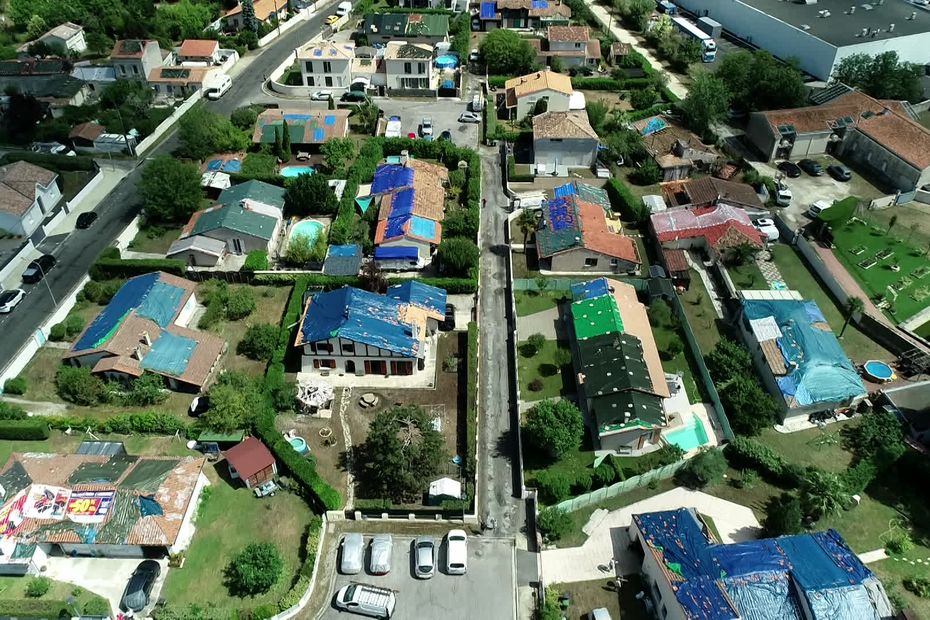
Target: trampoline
[[877, 371]]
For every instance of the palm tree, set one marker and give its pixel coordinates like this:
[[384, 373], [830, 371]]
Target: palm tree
[[822, 494], [853, 305], [891, 223], [527, 223]]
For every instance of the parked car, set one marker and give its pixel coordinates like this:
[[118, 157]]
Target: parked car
[[811, 167], [199, 406], [321, 95], [782, 195], [426, 126], [379, 560], [218, 87], [791, 169], [366, 600], [10, 299], [767, 227], [332, 19], [456, 552], [352, 548], [469, 117], [86, 220], [266, 489], [448, 323], [52, 148], [136, 594], [473, 55], [424, 557], [38, 269], [838, 172]]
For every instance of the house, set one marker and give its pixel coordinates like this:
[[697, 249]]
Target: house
[[136, 58], [28, 193], [201, 51], [619, 52], [251, 462], [521, 94], [430, 28], [579, 232], [356, 332], [82, 136], [68, 35], [911, 403], [893, 147], [421, 299], [57, 90], [563, 140], [572, 45], [688, 573], [242, 227], [796, 354], [343, 260], [96, 505], [266, 12], [716, 230], [522, 14], [306, 126], [198, 250], [145, 327], [327, 64], [675, 149], [409, 67], [254, 191], [708, 191], [95, 77], [179, 82]]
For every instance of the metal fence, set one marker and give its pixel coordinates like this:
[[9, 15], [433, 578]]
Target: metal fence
[[618, 488]]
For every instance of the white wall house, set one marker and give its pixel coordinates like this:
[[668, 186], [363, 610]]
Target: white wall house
[[135, 59], [409, 66], [326, 64], [27, 194], [68, 35], [564, 139], [522, 93]]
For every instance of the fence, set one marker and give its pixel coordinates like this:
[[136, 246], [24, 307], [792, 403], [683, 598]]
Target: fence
[[283, 27], [166, 124], [565, 284], [884, 202], [618, 488]]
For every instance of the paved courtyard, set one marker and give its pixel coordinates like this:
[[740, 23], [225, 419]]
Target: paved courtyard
[[443, 112], [104, 576]]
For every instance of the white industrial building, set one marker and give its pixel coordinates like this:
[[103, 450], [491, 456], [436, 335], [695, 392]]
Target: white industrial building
[[821, 33]]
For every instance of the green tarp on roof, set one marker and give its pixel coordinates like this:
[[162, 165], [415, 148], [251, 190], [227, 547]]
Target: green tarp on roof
[[235, 218], [613, 363], [596, 317], [624, 410], [258, 191], [148, 475]]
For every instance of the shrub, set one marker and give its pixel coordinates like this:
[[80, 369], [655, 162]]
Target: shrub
[[77, 385], [24, 430], [782, 516], [16, 386], [584, 479], [623, 201], [554, 427], [259, 342], [748, 479], [257, 260], [254, 569], [11, 412], [101, 292], [919, 586], [38, 587], [704, 469], [240, 305], [858, 477], [74, 324], [149, 389], [672, 347], [744, 452], [536, 341], [536, 385], [554, 485], [554, 523], [605, 474], [58, 333], [900, 543]]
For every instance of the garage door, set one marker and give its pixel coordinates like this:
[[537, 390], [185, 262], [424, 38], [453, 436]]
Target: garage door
[[818, 146]]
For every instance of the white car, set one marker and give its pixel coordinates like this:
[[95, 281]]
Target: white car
[[218, 87], [469, 117], [9, 299], [426, 126], [767, 227], [782, 195], [321, 95], [456, 552], [473, 55]]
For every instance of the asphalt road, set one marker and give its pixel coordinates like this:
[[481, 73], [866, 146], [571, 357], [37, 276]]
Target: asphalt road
[[76, 254]]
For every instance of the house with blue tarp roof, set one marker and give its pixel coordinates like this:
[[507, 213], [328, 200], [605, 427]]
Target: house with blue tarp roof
[[693, 576], [796, 353], [534, 14], [356, 332], [306, 127], [343, 260]]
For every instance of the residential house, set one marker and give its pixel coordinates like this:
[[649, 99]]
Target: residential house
[[352, 331], [266, 12], [179, 82], [409, 68], [254, 191], [96, 505], [430, 28], [521, 14], [145, 327], [343, 260], [243, 228], [68, 35], [136, 58], [95, 77], [579, 232], [251, 462], [47, 80], [327, 64], [200, 51], [716, 230], [708, 191], [619, 52], [572, 45], [521, 94], [689, 573], [198, 250], [563, 140], [911, 404], [675, 149], [796, 354], [28, 193], [307, 127], [385, 27]]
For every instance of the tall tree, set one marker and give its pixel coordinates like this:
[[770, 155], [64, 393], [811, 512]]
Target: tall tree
[[554, 427], [597, 114], [285, 141], [309, 194], [883, 76], [372, 277], [248, 16], [758, 81], [707, 102], [457, 257], [203, 133], [853, 306], [878, 436], [170, 189], [527, 223], [338, 152], [278, 148], [507, 53]]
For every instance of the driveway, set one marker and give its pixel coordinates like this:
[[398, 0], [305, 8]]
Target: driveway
[[443, 112], [104, 576]]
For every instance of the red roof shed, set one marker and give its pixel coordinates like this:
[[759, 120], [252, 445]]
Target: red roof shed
[[251, 461]]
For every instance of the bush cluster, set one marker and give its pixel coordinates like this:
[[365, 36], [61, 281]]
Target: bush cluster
[[24, 430], [111, 268], [100, 292], [67, 329], [256, 260], [16, 386]]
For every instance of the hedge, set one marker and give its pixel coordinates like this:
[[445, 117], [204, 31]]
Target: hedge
[[256, 260], [743, 453], [274, 376], [625, 202], [637, 115], [40, 608], [151, 423], [57, 163], [110, 268], [287, 278], [592, 83], [471, 401], [271, 179], [24, 430]]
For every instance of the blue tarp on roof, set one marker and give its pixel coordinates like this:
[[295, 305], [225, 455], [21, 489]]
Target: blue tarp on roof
[[749, 557], [815, 569], [389, 177], [654, 125], [161, 304], [540, 4], [704, 599], [127, 298], [214, 165], [424, 228], [402, 203], [343, 260], [397, 253], [170, 354], [764, 596], [420, 295], [488, 10], [564, 190], [396, 227], [582, 291], [344, 251], [681, 539]]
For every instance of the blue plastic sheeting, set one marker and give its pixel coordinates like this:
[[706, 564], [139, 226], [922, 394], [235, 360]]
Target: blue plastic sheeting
[[329, 120], [127, 298], [540, 4], [389, 177], [582, 291], [396, 227], [655, 125], [298, 118], [318, 134], [749, 557], [764, 596], [362, 317], [561, 214], [345, 251], [683, 543], [703, 599], [343, 260], [420, 295], [488, 10], [214, 165], [161, 304], [233, 165], [170, 354], [833, 545], [149, 506], [363, 203], [819, 371], [402, 203], [564, 190], [397, 253], [815, 568], [424, 228]]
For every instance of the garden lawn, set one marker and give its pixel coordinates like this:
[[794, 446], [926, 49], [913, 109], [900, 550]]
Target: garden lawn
[[555, 381], [894, 571], [228, 520], [858, 346], [683, 362], [821, 448], [531, 302], [155, 240], [14, 589], [747, 276], [913, 291], [705, 325]]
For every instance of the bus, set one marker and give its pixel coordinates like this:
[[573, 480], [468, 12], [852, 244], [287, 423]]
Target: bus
[[690, 30]]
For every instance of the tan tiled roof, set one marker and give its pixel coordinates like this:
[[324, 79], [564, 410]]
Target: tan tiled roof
[[594, 49], [819, 118], [129, 48], [86, 131], [428, 168], [563, 125], [565, 34], [119, 363], [596, 237], [179, 76], [263, 9], [706, 191], [198, 48], [400, 50], [901, 136], [18, 186], [327, 50], [205, 356], [63, 31], [535, 82]]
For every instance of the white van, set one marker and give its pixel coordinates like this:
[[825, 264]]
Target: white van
[[366, 600], [217, 86], [344, 9], [817, 208]]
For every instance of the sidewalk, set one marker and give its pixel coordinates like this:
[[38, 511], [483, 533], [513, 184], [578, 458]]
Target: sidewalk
[[625, 36]]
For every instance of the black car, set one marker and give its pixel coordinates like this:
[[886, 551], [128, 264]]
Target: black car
[[136, 595], [38, 268], [445, 135], [86, 220], [790, 169], [448, 323], [811, 167], [838, 172]]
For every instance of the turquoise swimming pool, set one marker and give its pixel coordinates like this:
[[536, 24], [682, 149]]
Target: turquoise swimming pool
[[308, 227], [688, 437], [293, 171]]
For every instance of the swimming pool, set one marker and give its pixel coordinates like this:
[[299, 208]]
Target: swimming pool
[[880, 371], [309, 227], [293, 171], [447, 61], [688, 437], [299, 444]]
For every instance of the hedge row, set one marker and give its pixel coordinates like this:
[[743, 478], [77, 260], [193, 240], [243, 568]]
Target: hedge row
[[306, 570], [50, 608], [109, 268], [58, 163], [150, 423], [637, 115], [256, 260], [471, 401], [745, 453], [24, 430], [271, 179], [274, 376], [453, 286], [625, 202]]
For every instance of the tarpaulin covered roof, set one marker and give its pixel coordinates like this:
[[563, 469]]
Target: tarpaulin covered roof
[[721, 225], [595, 317], [170, 354], [397, 253], [613, 363], [423, 296], [622, 410], [390, 177], [343, 260], [488, 10], [590, 289]]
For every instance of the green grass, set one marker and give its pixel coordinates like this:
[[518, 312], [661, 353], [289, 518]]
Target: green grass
[[924, 330], [682, 363], [588, 595], [155, 240], [747, 276], [821, 448], [858, 346], [73, 181], [531, 302], [556, 381], [14, 588], [228, 520], [876, 280], [894, 571], [705, 325], [139, 445]]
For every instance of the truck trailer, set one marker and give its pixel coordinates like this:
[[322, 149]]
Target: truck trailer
[[688, 29]]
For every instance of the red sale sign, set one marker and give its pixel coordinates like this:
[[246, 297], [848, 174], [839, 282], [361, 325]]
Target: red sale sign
[[89, 505]]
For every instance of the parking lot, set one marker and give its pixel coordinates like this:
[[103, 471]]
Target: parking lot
[[486, 592], [443, 112]]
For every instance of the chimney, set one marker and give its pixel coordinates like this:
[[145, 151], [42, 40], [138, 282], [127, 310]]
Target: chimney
[[137, 353], [146, 339]]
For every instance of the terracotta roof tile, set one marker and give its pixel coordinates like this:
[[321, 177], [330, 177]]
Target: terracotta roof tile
[[596, 237], [249, 457], [707, 191], [86, 131], [901, 136], [18, 186], [563, 125], [535, 82], [198, 48], [675, 260], [567, 34], [723, 226], [205, 356]]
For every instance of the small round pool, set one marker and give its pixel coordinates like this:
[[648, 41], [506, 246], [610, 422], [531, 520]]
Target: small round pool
[[299, 444], [310, 228], [293, 171], [447, 61], [878, 371]]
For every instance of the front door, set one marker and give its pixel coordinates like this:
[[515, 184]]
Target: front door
[[237, 245], [350, 366]]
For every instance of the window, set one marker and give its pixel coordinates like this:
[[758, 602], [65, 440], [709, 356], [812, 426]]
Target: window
[[329, 80], [324, 364], [614, 262], [348, 349], [590, 262], [375, 367], [309, 66], [135, 69], [577, 46], [401, 368], [408, 68], [310, 81], [327, 66], [421, 68], [324, 347]]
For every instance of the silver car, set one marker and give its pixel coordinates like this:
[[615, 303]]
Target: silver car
[[424, 557], [379, 563], [353, 548]]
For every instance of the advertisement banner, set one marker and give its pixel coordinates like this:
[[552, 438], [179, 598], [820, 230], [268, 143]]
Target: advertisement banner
[[46, 502], [11, 515], [89, 506]]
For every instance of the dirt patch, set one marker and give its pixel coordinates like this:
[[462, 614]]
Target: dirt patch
[[329, 455], [612, 99]]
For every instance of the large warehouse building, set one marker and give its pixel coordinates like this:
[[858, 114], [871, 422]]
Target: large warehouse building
[[820, 34]]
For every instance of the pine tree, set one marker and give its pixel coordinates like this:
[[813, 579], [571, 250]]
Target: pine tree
[[248, 16], [286, 142], [278, 148]]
